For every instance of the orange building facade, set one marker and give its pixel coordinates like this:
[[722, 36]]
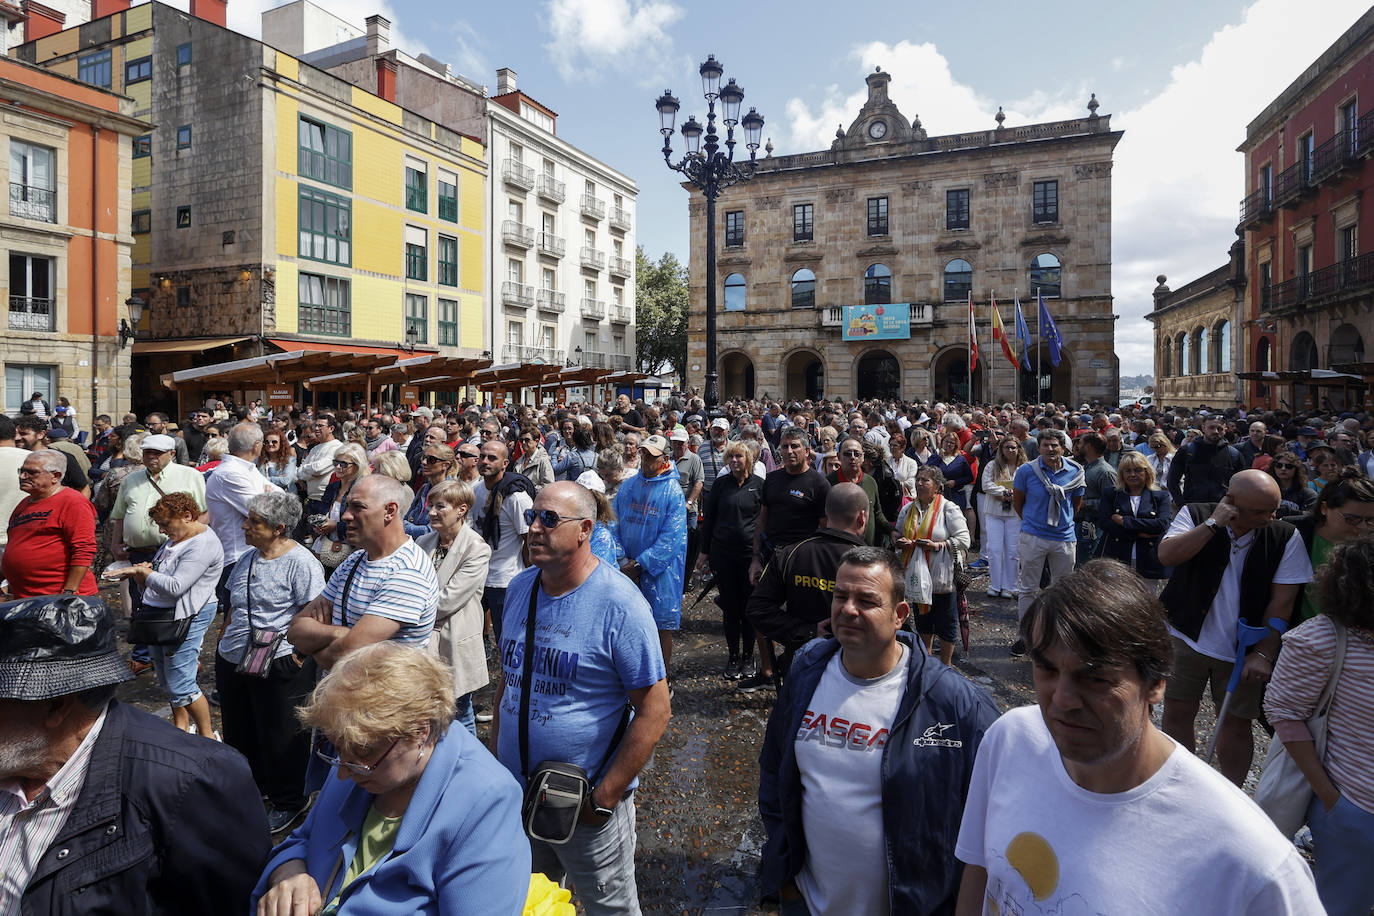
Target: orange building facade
[[66, 240]]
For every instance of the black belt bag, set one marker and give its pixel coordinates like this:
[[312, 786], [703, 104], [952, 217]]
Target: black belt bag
[[158, 626], [555, 792]]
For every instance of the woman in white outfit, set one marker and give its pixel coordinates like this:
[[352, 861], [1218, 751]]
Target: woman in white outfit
[[1001, 524]]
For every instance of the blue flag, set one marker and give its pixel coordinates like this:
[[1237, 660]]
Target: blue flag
[[1048, 332], [1023, 335]]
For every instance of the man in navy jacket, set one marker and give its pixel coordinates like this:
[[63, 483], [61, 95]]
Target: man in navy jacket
[[867, 759]]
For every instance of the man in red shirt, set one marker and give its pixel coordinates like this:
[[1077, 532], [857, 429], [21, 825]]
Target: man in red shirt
[[51, 533]]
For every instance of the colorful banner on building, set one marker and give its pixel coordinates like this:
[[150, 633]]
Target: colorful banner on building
[[877, 322]]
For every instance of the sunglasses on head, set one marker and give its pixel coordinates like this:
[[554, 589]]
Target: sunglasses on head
[[549, 518]]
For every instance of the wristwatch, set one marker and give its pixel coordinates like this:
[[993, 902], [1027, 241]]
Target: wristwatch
[[597, 809], [1212, 523]]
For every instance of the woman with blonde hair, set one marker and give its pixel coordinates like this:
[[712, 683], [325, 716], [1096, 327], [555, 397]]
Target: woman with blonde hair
[[1133, 516], [331, 541], [392, 464], [460, 558], [1161, 455], [422, 819], [1001, 524]]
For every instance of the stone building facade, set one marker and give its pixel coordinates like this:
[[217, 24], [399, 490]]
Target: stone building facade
[[1309, 174], [65, 240], [891, 215], [1196, 345]]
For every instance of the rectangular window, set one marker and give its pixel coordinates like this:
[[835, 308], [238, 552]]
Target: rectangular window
[[877, 216], [734, 228], [142, 222], [184, 136], [417, 262], [143, 146], [448, 322], [1045, 202], [183, 297], [1266, 279], [956, 209], [1346, 245], [33, 187], [94, 69], [22, 381], [515, 270], [417, 317], [326, 226], [1266, 182], [448, 197], [417, 190], [183, 217], [803, 222], [325, 153], [184, 54], [324, 306], [1350, 122], [1307, 150], [1304, 272], [136, 71], [33, 306], [448, 262]]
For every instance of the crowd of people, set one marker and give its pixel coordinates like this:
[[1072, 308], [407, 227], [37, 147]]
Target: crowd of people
[[369, 572]]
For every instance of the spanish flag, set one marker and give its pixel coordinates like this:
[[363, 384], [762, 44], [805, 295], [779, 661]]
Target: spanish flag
[[999, 334]]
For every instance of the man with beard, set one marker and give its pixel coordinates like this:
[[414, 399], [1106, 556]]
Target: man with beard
[[1201, 469], [104, 808]]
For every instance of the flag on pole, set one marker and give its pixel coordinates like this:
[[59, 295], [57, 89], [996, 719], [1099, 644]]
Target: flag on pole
[[1023, 335], [999, 334], [972, 338], [1049, 332]]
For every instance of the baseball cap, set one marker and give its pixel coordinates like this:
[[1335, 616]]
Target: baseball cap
[[720, 423], [655, 445], [425, 412], [159, 443], [58, 432], [679, 435]]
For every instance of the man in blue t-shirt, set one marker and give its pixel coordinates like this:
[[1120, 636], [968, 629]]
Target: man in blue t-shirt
[[596, 648], [1046, 493]]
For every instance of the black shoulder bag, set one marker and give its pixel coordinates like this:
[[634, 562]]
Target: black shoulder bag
[[555, 791]]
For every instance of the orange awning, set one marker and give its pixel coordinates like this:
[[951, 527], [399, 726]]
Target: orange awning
[[340, 347]]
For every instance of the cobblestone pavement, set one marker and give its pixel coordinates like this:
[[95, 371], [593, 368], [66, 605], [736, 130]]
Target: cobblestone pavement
[[698, 825]]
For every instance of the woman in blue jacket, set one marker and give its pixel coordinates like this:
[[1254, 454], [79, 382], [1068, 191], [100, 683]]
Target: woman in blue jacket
[[422, 819], [1134, 516]]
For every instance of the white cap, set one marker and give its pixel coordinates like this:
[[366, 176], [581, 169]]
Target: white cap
[[679, 435], [720, 423], [158, 443]]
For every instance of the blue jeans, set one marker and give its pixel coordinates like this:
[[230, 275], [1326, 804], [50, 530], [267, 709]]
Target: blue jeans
[[599, 862], [176, 665], [1344, 837], [466, 717]]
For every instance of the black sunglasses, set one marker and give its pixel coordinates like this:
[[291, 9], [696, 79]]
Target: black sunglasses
[[549, 518]]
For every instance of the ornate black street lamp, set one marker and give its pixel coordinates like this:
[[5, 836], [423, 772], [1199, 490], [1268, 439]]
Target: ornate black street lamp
[[711, 169]]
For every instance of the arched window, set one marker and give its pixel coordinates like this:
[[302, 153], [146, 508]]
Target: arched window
[[958, 280], [877, 285], [734, 293], [1201, 348], [804, 289], [1222, 335], [1185, 354], [1166, 365], [1044, 276]]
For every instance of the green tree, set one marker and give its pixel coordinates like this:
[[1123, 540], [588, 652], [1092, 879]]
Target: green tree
[[661, 313]]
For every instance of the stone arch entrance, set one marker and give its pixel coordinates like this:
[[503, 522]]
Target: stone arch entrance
[[949, 379], [1303, 355], [803, 376], [1056, 382], [736, 376], [878, 374]]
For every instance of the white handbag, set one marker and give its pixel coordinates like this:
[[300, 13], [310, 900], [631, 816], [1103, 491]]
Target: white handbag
[[1283, 791]]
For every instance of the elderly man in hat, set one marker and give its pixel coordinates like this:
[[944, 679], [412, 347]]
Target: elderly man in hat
[[103, 808]]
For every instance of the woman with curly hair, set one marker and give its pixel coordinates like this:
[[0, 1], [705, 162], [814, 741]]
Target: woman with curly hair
[[1296, 497]]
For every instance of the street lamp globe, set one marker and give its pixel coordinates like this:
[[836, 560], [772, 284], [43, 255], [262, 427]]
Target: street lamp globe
[[730, 98], [711, 72], [667, 113], [691, 135], [753, 129]]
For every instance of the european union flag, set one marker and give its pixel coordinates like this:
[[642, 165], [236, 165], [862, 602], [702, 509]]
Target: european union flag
[[1023, 335], [1048, 332]]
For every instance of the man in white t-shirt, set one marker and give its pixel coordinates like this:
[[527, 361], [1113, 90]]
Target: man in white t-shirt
[[1082, 805], [1231, 560], [865, 759], [499, 502]]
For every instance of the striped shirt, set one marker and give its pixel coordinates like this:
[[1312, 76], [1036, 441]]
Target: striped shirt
[[1303, 669], [401, 586], [28, 828]]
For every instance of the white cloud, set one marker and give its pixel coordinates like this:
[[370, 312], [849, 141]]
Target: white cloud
[[1177, 179], [587, 35]]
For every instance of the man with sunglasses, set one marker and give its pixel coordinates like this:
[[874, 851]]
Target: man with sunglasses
[[595, 651], [1232, 561]]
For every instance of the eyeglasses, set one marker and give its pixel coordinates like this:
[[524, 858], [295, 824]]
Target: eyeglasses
[[1285, 464], [362, 769], [472, 455], [344, 464], [433, 459], [23, 472], [549, 518], [1355, 521]]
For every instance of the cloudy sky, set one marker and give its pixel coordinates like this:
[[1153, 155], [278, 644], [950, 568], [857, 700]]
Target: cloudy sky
[[1182, 78]]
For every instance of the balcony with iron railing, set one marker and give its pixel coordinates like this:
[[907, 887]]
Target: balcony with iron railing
[[621, 267], [832, 316], [29, 202], [518, 353], [1256, 207], [620, 219], [1334, 156], [30, 314], [1364, 134], [517, 174], [552, 245], [518, 294], [593, 206], [551, 300], [622, 314], [594, 309], [1292, 183], [596, 359], [551, 189], [517, 234], [1341, 281], [620, 362], [592, 259]]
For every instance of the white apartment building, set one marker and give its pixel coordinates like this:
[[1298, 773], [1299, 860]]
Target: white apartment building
[[562, 242]]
